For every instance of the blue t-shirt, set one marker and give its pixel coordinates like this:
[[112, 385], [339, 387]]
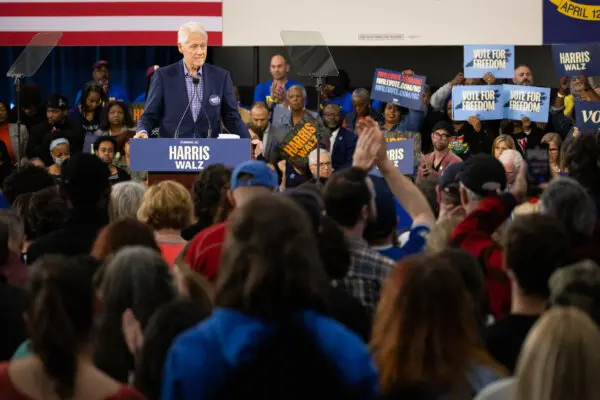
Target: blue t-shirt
[[115, 92], [344, 101], [263, 90], [414, 245]]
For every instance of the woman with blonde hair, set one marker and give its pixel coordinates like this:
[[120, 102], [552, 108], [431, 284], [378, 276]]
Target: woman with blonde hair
[[168, 208], [425, 339], [559, 360], [501, 143]]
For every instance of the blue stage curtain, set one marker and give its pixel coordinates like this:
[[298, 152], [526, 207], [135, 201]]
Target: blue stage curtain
[[67, 68]]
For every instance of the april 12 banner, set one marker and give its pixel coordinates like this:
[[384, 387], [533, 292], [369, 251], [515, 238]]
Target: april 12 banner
[[571, 21], [526, 101], [576, 59], [186, 155], [587, 116], [483, 101], [397, 88], [401, 153], [481, 59]]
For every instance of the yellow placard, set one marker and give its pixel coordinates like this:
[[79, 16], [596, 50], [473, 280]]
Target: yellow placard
[[575, 10]]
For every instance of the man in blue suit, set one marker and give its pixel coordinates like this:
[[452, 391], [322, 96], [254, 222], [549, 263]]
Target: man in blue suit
[[343, 141], [190, 98]]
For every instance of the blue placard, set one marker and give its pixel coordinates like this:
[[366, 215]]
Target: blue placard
[[526, 101], [397, 88], [571, 21], [186, 155], [587, 116], [88, 143], [483, 101], [401, 153], [576, 59], [481, 59]]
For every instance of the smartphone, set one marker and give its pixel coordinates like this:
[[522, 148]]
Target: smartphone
[[538, 165]]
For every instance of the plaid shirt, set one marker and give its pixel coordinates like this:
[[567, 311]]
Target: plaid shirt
[[194, 92], [367, 271]]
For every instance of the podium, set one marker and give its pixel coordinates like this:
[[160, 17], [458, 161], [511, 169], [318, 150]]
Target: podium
[[182, 159]]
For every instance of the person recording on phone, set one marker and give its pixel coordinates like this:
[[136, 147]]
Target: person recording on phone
[[433, 164], [189, 98]]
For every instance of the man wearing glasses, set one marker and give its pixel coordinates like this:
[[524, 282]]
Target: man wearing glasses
[[433, 164], [325, 167]]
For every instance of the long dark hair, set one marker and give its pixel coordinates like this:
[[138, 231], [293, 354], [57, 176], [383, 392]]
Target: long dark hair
[[85, 92], [60, 312], [128, 118]]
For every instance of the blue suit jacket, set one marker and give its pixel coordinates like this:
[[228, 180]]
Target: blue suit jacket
[[343, 149], [168, 99]]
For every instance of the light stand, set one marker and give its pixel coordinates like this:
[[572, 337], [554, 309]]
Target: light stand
[[319, 86], [18, 84]]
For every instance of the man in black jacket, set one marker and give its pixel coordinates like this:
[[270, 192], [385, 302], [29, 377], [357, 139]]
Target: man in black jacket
[[56, 126]]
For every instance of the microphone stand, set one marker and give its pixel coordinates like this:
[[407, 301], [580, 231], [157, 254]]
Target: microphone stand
[[18, 83], [319, 86]]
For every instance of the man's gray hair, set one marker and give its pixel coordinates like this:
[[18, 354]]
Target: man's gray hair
[[569, 202], [512, 156], [298, 87], [312, 156], [126, 198], [190, 27], [361, 92]]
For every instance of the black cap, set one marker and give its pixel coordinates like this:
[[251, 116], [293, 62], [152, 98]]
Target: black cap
[[449, 181], [58, 101], [443, 125], [483, 175]]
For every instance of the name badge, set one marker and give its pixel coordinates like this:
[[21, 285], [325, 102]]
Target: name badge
[[214, 100]]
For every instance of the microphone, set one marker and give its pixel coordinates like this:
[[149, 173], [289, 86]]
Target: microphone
[[196, 81], [176, 136]]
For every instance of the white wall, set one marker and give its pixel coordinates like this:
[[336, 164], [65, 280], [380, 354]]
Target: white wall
[[406, 22]]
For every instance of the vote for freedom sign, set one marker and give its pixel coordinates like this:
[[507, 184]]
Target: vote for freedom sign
[[526, 101], [483, 102], [587, 116], [481, 59]]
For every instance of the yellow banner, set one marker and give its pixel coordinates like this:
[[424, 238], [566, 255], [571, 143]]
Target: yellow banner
[[575, 10]]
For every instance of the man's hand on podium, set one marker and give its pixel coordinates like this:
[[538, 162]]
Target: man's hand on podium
[[141, 135]]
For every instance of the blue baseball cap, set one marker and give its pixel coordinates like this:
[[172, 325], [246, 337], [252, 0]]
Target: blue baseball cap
[[262, 175]]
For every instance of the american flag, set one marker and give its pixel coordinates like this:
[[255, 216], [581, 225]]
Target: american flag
[[108, 23]]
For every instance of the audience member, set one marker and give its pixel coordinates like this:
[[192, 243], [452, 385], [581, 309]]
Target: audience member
[[112, 90], [274, 296], [9, 134], [535, 246], [249, 180], [210, 188], [85, 184], [167, 208], [122, 233], [125, 199], [116, 119], [511, 161], [434, 163], [135, 283], [60, 316], [274, 92], [26, 180], [12, 236], [502, 143], [88, 110], [342, 142], [105, 148], [60, 150], [361, 103]]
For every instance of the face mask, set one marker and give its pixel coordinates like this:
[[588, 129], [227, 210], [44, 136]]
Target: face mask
[[59, 161]]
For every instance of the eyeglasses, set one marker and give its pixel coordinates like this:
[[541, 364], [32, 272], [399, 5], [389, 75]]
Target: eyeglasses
[[323, 165], [442, 135]]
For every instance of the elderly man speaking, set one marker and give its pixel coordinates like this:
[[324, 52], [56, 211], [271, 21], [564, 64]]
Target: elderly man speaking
[[189, 99]]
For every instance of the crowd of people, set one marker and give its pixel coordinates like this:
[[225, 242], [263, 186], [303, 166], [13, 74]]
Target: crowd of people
[[463, 280]]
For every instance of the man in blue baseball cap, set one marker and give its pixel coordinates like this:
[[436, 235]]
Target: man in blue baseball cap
[[249, 180]]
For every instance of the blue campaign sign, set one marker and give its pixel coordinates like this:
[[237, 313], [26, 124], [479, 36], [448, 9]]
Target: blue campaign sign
[[587, 116], [401, 153], [397, 88], [186, 155], [571, 21], [526, 101], [481, 59], [483, 101], [576, 59], [88, 143]]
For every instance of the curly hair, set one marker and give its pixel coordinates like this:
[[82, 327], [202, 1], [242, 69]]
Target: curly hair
[[582, 160], [209, 188]]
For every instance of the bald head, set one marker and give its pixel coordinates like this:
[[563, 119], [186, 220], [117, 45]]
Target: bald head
[[332, 116], [279, 67], [523, 76]]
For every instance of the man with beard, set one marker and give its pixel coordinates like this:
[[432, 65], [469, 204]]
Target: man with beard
[[101, 75], [260, 132], [350, 201], [274, 92], [342, 140], [433, 164], [56, 126]]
